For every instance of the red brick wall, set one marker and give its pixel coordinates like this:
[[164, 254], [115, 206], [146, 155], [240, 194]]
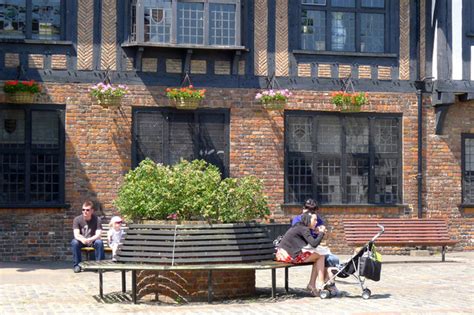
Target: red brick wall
[[98, 152]]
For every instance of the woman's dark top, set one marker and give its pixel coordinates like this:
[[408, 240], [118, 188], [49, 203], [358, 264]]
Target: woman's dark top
[[297, 237]]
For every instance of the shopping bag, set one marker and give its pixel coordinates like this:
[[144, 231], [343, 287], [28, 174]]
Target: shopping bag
[[370, 268]]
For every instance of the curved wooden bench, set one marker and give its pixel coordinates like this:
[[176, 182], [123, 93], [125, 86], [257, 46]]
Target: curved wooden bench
[[399, 232], [192, 247]]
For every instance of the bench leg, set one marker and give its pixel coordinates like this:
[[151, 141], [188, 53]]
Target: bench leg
[[124, 281], [134, 286], [286, 279], [101, 284], [443, 253], [273, 282], [209, 286]]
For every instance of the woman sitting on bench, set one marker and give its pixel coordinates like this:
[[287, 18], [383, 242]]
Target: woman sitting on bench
[[292, 250]]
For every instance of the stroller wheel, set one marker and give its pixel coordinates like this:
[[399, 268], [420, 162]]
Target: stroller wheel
[[366, 294], [324, 294]]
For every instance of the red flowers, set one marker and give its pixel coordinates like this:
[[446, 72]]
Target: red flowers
[[185, 93], [14, 86], [349, 101]]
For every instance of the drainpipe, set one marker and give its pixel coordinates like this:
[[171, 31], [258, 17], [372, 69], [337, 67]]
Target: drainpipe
[[419, 176]]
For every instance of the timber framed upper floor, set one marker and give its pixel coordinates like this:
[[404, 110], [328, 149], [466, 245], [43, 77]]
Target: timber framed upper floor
[[380, 44]]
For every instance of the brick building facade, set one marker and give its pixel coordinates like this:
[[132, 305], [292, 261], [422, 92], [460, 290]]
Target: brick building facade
[[99, 145]]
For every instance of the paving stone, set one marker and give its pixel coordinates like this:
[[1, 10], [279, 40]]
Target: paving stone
[[408, 285]]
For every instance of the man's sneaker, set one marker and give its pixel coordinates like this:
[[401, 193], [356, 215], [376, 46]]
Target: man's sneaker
[[333, 289], [77, 269]]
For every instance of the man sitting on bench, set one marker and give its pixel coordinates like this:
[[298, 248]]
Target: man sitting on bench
[[331, 260], [87, 232]]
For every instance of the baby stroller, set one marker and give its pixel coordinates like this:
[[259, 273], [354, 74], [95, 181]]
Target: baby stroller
[[361, 266]]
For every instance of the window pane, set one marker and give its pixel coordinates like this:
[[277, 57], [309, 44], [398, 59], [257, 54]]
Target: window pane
[[328, 135], [222, 24], [343, 31], [373, 3], [12, 132], [45, 129], [372, 33], [386, 180], [343, 3], [213, 139], [133, 21], [313, 30], [317, 2], [12, 18], [386, 136], [357, 135], [357, 179], [299, 134], [46, 19], [44, 182], [12, 172], [190, 23], [158, 19], [468, 176], [149, 136], [300, 180], [181, 137], [329, 180]]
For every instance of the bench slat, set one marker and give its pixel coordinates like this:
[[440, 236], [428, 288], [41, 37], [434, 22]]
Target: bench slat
[[127, 242], [210, 247], [195, 260], [132, 236]]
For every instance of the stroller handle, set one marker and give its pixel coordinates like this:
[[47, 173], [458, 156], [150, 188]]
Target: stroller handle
[[382, 230]]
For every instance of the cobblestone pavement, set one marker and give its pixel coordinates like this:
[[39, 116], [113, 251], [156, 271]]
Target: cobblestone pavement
[[409, 285]]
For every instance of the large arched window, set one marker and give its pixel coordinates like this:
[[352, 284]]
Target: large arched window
[[186, 22]]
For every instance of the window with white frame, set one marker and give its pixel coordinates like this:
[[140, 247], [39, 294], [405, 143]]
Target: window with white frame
[[32, 19], [468, 168], [344, 25], [205, 22], [343, 158]]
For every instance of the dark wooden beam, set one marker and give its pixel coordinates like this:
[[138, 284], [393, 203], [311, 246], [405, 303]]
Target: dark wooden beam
[[441, 111]]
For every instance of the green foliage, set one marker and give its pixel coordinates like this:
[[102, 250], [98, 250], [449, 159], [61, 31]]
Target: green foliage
[[188, 191]]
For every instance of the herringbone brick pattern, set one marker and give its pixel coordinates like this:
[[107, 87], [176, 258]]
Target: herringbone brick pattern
[[85, 34], [260, 37], [404, 39], [281, 55], [108, 55]]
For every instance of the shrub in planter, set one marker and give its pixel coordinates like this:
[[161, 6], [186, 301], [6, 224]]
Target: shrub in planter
[[189, 191]]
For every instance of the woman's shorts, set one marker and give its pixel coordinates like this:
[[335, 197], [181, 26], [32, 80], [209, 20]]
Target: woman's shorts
[[283, 256]]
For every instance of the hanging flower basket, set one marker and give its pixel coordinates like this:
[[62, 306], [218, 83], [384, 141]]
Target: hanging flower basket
[[108, 95], [349, 102], [21, 91], [186, 103], [185, 97], [273, 99]]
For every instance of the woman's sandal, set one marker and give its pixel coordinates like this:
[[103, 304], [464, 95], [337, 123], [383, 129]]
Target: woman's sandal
[[312, 290]]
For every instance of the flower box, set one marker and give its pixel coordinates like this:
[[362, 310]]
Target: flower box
[[21, 91], [273, 99], [185, 97], [109, 101], [349, 102]]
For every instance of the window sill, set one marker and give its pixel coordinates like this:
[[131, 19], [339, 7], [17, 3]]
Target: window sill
[[35, 41], [183, 46], [344, 53], [36, 206]]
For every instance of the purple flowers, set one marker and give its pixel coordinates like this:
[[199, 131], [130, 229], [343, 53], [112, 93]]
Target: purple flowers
[[272, 95], [101, 90]]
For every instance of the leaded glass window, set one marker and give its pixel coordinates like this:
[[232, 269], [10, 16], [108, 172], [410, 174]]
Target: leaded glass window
[[31, 156], [167, 136], [206, 22], [343, 158], [344, 25], [468, 168], [37, 19]]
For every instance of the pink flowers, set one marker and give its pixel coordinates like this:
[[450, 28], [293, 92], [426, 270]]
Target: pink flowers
[[273, 95], [101, 90]]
